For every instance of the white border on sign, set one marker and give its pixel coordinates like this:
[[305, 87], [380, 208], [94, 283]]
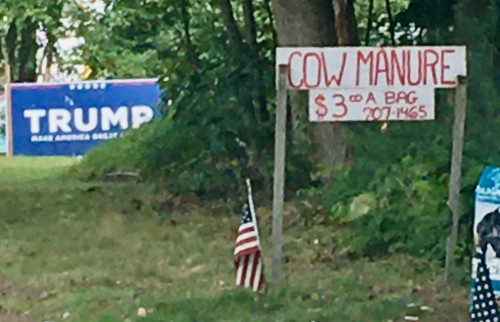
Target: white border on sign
[[106, 81]]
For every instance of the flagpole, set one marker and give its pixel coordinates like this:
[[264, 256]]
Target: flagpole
[[252, 210]]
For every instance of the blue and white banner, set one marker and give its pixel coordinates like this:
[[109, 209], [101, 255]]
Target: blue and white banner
[[486, 228], [70, 118]]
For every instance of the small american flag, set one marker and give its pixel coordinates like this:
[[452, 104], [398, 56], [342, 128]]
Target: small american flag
[[483, 307], [247, 253]]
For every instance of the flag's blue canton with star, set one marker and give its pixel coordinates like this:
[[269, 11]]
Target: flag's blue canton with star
[[484, 307], [247, 216]]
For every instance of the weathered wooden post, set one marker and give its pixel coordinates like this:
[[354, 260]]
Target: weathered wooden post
[[460, 105], [8, 111], [279, 176]]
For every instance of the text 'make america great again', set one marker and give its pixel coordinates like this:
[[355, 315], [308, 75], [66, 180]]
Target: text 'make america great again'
[[366, 67]]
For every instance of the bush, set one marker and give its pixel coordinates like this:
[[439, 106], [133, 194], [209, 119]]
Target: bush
[[403, 209], [175, 156], [403, 206]]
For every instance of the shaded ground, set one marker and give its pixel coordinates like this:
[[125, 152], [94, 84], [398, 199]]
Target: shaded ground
[[99, 251]]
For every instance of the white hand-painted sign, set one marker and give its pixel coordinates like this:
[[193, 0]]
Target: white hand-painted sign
[[368, 67], [372, 83]]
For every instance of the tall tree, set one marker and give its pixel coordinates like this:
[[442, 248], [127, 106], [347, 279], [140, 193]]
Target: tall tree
[[476, 27], [315, 23], [214, 60], [21, 20], [346, 25]]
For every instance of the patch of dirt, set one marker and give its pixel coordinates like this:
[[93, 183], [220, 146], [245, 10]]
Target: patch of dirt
[[16, 317], [14, 292], [447, 305]]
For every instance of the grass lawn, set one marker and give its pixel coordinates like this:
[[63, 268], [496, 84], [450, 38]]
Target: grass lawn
[[75, 251]]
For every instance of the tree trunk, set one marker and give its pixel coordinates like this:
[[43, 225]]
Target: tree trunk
[[310, 23], [231, 25], [345, 23], [251, 39], [251, 90], [391, 22], [250, 32], [305, 23], [27, 53], [369, 23], [475, 27], [192, 56], [269, 12], [10, 47]]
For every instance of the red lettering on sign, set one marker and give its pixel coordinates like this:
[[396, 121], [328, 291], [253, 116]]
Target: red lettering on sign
[[321, 109], [429, 62], [335, 78], [399, 66], [370, 98], [386, 66], [410, 97], [313, 77], [392, 97], [422, 111], [361, 59], [418, 69], [291, 66], [389, 97], [444, 67], [382, 60], [304, 66], [341, 103]]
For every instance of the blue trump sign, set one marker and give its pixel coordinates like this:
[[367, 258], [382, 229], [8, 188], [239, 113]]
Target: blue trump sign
[[69, 119]]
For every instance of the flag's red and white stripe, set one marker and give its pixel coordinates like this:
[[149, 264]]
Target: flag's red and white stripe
[[247, 257]]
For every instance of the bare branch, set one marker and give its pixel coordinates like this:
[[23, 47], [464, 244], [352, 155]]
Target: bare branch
[[369, 23], [190, 50], [269, 11]]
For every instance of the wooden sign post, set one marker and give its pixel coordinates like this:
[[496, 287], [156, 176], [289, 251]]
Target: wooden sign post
[[8, 111], [279, 175], [456, 172], [5, 87], [368, 84]]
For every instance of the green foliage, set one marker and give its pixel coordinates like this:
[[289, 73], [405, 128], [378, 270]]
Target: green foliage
[[393, 196], [405, 211], [127, 39], [19, 23], [288, 305], [182, 158], [428, 14], [219, 129], [379, 28]]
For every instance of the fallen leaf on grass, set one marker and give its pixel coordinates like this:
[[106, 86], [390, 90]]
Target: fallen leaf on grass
[[45, 295], [190, 271]]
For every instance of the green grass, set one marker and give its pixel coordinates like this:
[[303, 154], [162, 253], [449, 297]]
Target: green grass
[[100, 251]]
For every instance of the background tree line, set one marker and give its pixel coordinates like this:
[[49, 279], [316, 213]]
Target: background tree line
[[215, 60]]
